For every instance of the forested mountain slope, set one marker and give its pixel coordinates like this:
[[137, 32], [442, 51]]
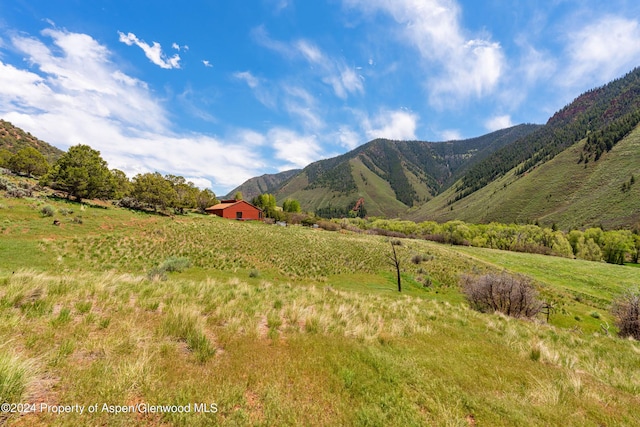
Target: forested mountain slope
[[391, 176], [563, 191]]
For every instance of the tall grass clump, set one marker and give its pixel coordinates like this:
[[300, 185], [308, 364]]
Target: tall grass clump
[[15, 375], [183, 324]]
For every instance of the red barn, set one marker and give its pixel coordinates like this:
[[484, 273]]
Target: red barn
[[235, 209]]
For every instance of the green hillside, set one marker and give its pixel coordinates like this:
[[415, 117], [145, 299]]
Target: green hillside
[[391, 176], [265, 325], [561, 191], [13, 139], [267, 183], [611, 110]]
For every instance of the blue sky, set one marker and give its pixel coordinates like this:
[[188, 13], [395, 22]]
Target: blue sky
[[220, 91]]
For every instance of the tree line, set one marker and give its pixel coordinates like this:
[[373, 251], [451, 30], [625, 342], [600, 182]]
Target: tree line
[[82, 173], [593, 244]]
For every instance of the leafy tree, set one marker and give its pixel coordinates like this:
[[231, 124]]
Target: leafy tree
[[120, 184], [238, 195], [615, 245], [5, 155], [561, 246], [589, 250], [186, 193], [154, 190], [266, 202], [291, 205], [205, 199], [28, 161], [635, 252], [82, 173]]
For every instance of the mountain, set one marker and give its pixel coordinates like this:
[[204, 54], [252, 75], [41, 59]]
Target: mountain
[[14, 139], [391, 176], [606, 109], [267, 183], [579, 170], [561, 191]]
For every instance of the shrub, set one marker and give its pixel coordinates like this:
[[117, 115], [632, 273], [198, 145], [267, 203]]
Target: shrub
[[329, 226], [175, 264], [47, 210], [626, 311], [512, 295], [157, 273]]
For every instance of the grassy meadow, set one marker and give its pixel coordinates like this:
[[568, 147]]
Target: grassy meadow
[[266, 325]]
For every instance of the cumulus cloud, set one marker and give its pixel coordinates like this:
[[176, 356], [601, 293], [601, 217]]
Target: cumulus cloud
[[348, 138], [465, 66], [451, 135], [153, 52], [73, 94], [498, 122], [207, 63], [603, 50], [396, 124], [296, 149]]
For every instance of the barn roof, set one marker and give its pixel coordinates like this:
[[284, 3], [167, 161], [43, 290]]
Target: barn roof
[[228, 203]]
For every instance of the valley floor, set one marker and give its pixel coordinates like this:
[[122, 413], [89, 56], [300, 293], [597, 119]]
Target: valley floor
[[290, 326]]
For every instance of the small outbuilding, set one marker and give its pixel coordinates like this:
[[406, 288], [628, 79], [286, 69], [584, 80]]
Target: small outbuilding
[[236, 209]]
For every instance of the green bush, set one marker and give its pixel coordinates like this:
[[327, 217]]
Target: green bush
[[47, 210], [175, 264]]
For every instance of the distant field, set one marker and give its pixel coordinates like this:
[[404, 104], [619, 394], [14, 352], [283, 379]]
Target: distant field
[[292, 326]]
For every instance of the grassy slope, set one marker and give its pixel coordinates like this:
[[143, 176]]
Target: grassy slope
[[560, 191], [318, 338], [380, 199]]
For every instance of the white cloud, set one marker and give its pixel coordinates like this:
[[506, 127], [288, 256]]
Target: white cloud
[[334, 72], [298, 102], [310, 51], [498, 122], [464, 66], [396, 125], [601, 51], [451, 135], [154, 53], [348, 138], [177, 47], [248, 78], [298, 150], [201, 183], [207, 63], [74, 94], [344, 82]]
